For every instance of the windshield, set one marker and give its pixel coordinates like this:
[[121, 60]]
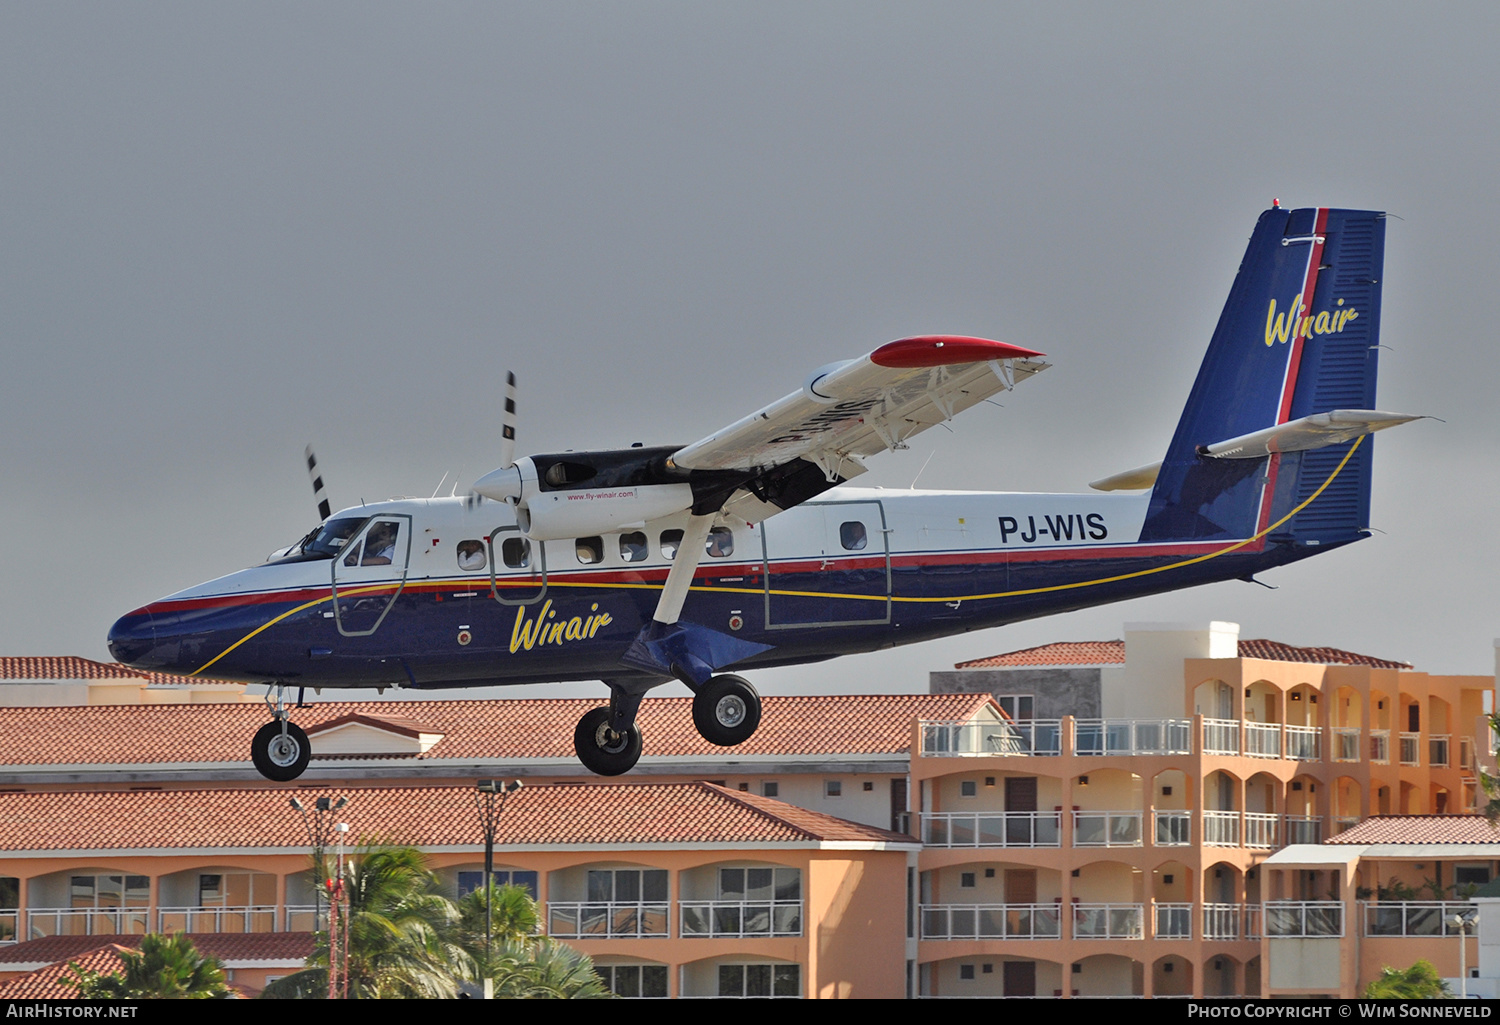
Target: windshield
[[329, 538]]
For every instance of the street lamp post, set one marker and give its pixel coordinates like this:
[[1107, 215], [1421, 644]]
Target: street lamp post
[[318, 828], [1462, 923], [489, 797]]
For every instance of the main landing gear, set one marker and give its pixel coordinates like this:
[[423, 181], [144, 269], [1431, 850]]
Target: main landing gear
[[280, 750], [726, 712]]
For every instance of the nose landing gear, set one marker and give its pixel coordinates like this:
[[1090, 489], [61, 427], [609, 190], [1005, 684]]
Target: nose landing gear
[[280, 750]]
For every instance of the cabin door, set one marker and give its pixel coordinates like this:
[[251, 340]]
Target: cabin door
[[369, 574], [827, 564]]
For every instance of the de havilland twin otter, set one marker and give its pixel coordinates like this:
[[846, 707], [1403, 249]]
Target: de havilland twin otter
[[748, 549]]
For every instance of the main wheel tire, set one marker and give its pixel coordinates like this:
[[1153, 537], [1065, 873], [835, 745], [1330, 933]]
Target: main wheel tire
[[280, 757], [726, 710], [603, 751]]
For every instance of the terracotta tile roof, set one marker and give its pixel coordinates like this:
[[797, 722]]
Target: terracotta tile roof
[[1095, 653], [392, 723], [47, 983], [1420, 829], [63, 667], [561, 814], [226, 946], [878, 724]]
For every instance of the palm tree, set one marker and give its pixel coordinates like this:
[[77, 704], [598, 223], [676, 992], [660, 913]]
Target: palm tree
[[515, 915], [544, 969], [1419, 982], [166, 968]]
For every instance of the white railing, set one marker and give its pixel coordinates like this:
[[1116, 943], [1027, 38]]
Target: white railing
[[1411, 748], [1262, 740], [87, 921], [1346, 744], [1223, 921], [1304, 829], [1174, 921], [1221, 736], [1415, 918], [1221, 829], [1253, 922], [1380, 747], [257, 918], [1302, 743], [987, 739], [1260, 829], [1437, 749], [1106, 829], [991, 922], [992, 829], [10, 922], [607, 920], [1304, 918], [741, 918], [304, 917], [1173, 828], [1133, 736], [1108, 921]]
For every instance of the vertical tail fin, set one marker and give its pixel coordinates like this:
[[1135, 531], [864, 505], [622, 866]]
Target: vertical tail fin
[[1298, 336]]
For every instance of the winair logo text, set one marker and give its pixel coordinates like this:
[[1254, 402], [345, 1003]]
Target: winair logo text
[[1295, 323], [1056, 528], [546, 628]]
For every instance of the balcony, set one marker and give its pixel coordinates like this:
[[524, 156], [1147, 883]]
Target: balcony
[[1302, 743], [991, 922], [1262, 740], [1173, 828], [1174, 921], [1108, 921], [607, 920], [1411, 748], [1304, 918], [88, 921], [1380, 747], [1304, 829], [1221, 736], [1226, 921], [1437, 750], [1346, 744], [10, 923], [258, 918], [992, 829], [1221, 829], [715, 919], [1260, 830], [1132, 736], [1415, 918], [1106, 829], [990, 739]]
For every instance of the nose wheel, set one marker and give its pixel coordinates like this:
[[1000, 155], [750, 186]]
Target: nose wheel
[[726, 710], [280, 751], [603, 750]]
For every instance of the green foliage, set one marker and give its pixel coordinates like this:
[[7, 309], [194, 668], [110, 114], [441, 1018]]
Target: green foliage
[[165, 968], [543, 969], [1419, 982], [514, 916]]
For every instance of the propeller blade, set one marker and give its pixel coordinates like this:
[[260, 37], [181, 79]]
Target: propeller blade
[[497, 483], [508, 422], [320, 494]]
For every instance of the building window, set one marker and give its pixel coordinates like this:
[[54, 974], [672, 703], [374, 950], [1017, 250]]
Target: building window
[[966, 972], [770, 788], [968, 788], [1017, 706], [833, 788], [634, 980], [627, 885], [468, 882], [966, 880], [236, 889], [760, 884], [760, 980]]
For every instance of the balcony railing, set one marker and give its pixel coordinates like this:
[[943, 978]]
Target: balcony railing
[[1174, 921], [611, 920], [1133, 736], [1221, 829], [1415, 918], [988, 739], [304, 917], [10, 923], [1304, 829], [1345, 744], [1263, 740], [1108, 921], [1173, 828], [1221, 736], [1260, 829], [1466, 754], [1106, 829], [87, 921], [259, 918], [1304, 918], [744, 918], [1225, 922], [1437, 750], [1380, 747], [1302, 743], [992, 829], [1410, 748], [991, 922]]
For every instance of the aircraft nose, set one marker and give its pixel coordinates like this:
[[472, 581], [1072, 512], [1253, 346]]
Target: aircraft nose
[[132, 638]]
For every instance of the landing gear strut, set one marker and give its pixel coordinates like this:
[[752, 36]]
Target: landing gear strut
[[280, 750], [726, 710], [607, 740]]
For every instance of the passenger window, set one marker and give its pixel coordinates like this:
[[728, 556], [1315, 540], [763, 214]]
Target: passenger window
[[471, 555], [633, 546], [515, 552], [671, 540], [720, 542], [590, 550], [852, 536]]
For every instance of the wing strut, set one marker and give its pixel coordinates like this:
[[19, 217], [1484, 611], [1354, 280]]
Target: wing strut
[[680, 576]]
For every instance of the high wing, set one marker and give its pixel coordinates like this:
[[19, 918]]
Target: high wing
[[846, 411]]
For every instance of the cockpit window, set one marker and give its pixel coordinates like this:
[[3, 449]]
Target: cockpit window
[[332, 536]]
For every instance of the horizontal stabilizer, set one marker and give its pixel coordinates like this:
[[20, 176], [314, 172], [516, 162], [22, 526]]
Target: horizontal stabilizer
[[1316, 431]]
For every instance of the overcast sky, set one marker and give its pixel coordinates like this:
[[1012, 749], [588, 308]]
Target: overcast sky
[[230, 229]]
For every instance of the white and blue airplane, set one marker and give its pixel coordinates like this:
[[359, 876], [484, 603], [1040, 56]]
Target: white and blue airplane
[[748, 548]]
